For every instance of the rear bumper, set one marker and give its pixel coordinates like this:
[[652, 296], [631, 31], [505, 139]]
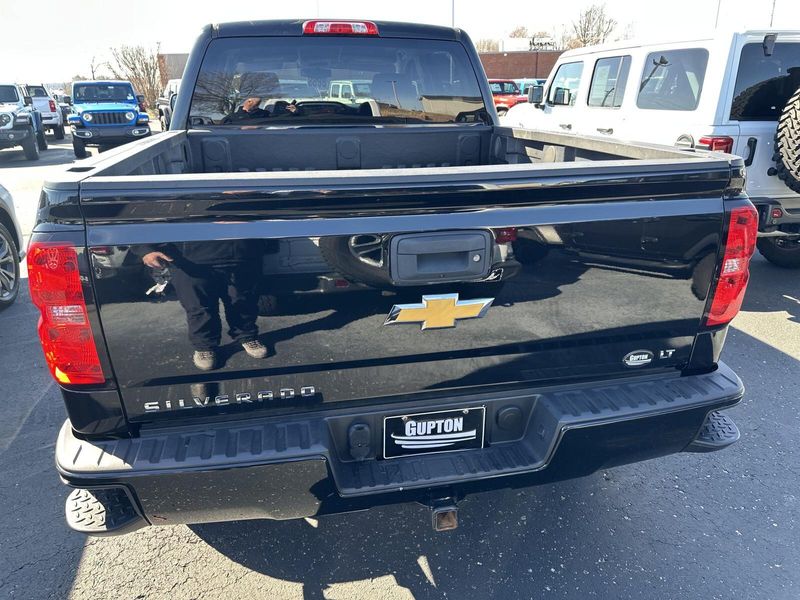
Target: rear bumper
[[52, 119], [788, 208], [298, 467]]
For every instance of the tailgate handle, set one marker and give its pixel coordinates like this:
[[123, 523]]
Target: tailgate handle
[[440, 257], [751, 146], [606, 130]]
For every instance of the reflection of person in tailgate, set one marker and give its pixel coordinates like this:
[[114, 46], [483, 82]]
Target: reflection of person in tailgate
[[204, 273]]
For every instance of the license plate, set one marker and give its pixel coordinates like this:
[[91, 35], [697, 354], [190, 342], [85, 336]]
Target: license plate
[[428, 433]]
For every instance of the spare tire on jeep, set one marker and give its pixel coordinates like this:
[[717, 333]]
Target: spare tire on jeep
[[785, 251], [787, 143]]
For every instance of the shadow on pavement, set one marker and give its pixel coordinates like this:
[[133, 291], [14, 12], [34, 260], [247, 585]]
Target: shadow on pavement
[[38, 554], [773, 289], [59, 152]]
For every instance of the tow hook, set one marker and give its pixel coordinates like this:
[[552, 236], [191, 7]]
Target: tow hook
[[444, 513]]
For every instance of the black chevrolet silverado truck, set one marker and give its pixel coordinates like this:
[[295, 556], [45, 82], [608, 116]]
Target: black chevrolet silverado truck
[[293, 305]]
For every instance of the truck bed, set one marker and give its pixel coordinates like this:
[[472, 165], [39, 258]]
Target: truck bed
[[262, 150]]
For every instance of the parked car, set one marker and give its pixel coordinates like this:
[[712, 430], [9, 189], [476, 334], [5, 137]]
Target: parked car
[[11, 252], [505, 94], [526, 84], [166, 102], [726, 93], [52, 117], [522, 306], [64, 103], [106, 114], [351, 90], [20, 122]]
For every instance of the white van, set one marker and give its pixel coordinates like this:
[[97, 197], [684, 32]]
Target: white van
[[725, 92]]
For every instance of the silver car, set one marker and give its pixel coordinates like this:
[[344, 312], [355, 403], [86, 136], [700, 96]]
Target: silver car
[[10, 250]]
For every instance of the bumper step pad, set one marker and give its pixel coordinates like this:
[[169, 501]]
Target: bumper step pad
[[102, 512], [718, 432], [611, 421]]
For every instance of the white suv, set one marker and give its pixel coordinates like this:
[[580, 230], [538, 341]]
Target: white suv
[[20, 122], [726, 93]]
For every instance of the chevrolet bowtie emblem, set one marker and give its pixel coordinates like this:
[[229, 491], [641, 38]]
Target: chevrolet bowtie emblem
[[439, 311]]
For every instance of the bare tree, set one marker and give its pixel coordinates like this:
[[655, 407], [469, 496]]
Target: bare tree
[[139, 65], [94, 66], [519, 32], [562, 39], [593, 26], [628, 33], [487, 45], [98, 69]]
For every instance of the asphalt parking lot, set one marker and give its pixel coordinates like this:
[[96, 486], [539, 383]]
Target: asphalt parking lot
[[723, 525]]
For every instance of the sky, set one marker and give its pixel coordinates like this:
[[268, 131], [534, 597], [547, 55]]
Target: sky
[[62, 45]]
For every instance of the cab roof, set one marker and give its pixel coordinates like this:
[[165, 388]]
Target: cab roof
[[103, 82], [639, 43], [294, 28]]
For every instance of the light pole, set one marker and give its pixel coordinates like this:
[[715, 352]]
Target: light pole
[[453, 13]]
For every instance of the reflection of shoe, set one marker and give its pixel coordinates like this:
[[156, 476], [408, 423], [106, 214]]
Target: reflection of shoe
[[255, 349], [205, 360]]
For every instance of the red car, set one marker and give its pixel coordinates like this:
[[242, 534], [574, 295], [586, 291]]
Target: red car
[[506, 94]]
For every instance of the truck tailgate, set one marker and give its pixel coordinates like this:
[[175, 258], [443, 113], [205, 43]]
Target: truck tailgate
[[581, 275]]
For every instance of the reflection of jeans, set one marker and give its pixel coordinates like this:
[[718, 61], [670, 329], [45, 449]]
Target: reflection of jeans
[[201, 287]]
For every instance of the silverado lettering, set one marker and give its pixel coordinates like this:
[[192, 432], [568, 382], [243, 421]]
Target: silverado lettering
[[238, 398]]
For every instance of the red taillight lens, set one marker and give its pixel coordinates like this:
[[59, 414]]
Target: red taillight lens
[[717, 143], [64, 329], [505, 235], [340, 28], [735, 270], [52, 106]]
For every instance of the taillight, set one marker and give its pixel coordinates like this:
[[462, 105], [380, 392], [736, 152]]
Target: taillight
[[735, 270], [52, 106], [64, 329], [717, 143], [340, 28], [505, 235]]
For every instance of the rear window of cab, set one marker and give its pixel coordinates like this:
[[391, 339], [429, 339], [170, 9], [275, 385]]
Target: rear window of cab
[[287, 81]]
